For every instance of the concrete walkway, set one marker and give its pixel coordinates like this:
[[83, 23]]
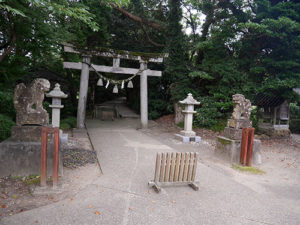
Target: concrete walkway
[[121, 195]]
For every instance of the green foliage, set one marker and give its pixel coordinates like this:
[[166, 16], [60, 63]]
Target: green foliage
[[244, 47], [294, 118], [295, 126], [5, 126], [6, 104], [157, 107], [65, 126], [68, 123], [210, 114], [254, 117], [294, 111]]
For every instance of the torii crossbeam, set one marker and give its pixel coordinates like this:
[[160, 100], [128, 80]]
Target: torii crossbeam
[[86, 54]]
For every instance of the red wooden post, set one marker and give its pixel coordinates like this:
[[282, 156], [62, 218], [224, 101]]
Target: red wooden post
[[250, 146], [45, 132], [244, 146], [55, 157], [44, 157]]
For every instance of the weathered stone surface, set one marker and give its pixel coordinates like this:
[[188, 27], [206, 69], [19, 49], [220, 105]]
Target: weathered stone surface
[[186, 139], [189, 100], [28, 102], [241, 107], [188, 133], [229, 149], [23, 158], [238, 124], [240, 117], [232, 133], [26, 133]]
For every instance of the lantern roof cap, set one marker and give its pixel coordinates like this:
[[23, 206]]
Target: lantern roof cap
[[190, 100]]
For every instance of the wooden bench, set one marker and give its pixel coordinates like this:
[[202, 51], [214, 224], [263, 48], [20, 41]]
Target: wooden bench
[[175, 169]]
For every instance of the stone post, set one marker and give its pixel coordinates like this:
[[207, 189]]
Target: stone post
[[56, 94], [144, 96], [83, 91], [188, 134]]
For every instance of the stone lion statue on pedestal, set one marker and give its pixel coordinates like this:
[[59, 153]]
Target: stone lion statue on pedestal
[[241, 107], [28, 102]]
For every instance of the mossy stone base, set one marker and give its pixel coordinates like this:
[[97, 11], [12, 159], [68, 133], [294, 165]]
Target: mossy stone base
[[230, 150]]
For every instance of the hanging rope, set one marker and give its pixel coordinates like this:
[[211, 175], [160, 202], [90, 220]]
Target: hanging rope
[[117, 82]]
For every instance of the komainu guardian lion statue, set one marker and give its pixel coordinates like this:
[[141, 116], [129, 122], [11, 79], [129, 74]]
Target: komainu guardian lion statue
[[241, 107], [28, 102]]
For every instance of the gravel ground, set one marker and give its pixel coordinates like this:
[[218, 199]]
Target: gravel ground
[[73, 158]]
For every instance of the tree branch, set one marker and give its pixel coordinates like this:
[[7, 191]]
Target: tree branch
[[149, 39], [137, 19], [11, 45]]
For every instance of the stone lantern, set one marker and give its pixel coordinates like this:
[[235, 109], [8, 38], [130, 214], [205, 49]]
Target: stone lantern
[[188, 134], [56, 94]]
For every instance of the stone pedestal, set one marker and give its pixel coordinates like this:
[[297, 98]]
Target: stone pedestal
[[232, 133], [26, 133], [229, 149], [187, 139], [34, 118], [239, 123], [24, 158]]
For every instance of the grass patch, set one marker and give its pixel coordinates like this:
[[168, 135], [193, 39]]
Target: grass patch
[[249, 169], [68, 123], [31, 179]]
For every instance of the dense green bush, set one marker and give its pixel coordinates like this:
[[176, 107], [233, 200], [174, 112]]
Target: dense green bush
[[157, 108], [295, 126], [294, 111], [7, 104], [211, 113], [5, 126], [68, 123], [295, 118], [254, 117]]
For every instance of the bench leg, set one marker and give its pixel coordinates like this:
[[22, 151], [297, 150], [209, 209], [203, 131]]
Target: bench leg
[[194, 186], [155, 186]]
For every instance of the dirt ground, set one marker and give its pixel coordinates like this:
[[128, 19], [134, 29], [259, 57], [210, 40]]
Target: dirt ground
[[281, 163], [18, 194]]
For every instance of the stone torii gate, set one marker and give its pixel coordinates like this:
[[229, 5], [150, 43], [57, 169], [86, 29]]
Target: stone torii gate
[[86, 54]]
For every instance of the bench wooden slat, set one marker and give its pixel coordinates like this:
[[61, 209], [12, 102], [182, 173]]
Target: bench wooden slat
[[162, 167], [157, 166], [195, 166], [177, 166], [167, 172], [181, 167], [191, 163], [173, 159], [186, 164]]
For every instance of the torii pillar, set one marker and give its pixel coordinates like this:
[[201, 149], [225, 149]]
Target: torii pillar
[[144, 95], [83, 91]]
